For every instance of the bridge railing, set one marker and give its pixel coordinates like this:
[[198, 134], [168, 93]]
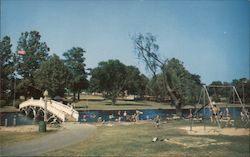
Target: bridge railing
[[66, 109], [41, 103], [58, 113]]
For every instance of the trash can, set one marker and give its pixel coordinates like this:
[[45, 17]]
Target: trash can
[[42, 126]]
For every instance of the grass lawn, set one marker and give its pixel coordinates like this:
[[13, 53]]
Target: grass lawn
[[9, 138], [121, 105], [136, 140], [89, 102], [8, 109]]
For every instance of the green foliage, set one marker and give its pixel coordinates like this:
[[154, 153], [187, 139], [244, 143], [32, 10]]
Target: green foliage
[[173, 80], [74, 60], [36, 53], [7, 68], [243, 85], [186, 86], [53, 75], [113, 77], [3, 103], [136, 82], [110, 78], [146, 49]]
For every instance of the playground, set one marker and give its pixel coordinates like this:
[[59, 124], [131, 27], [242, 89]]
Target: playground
[[213, 133], [173, 139]]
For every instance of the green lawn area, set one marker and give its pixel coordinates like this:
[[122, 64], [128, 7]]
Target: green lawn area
[[9, 138], [136, 140], [121, 105], [90, 102], [99, 103]]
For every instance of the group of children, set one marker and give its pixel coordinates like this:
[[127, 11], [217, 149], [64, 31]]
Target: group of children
[[218, 114]]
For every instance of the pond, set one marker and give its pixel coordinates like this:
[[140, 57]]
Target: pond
[[111, 115], [21, 119], [92, 116]]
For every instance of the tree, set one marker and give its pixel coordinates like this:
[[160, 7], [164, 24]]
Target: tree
[[136, 82], [110, 78], [6, 68], [74, 60], [146, 50], [185, 85], [53, 75], [242, 86], [36, 53]]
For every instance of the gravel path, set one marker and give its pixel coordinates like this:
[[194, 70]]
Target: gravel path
[[70, 134]]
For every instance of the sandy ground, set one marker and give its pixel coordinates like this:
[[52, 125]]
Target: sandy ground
[[199, 130], [194, 142], [68, 134]]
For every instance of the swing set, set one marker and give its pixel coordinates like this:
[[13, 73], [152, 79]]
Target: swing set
[[210, 98]]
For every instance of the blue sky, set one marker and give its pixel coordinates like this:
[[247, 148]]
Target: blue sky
[[210, 37]]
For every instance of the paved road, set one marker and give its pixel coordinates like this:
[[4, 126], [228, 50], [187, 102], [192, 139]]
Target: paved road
[[73, 133]]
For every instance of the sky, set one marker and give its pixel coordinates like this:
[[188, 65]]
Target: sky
[[210, 37]]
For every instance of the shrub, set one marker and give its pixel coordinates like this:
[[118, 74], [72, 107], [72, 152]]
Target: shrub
[[17, 103], [3, 103]]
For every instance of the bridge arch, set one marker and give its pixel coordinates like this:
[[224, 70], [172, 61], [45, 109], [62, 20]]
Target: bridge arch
[[56, 110]]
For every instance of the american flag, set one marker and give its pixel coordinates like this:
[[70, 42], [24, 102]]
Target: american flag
[[21, 52]]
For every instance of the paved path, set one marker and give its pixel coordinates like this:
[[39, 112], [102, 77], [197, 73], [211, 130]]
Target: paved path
[[73, 133]]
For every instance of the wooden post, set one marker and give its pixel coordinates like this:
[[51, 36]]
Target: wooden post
[[191, 123], [14, 120]]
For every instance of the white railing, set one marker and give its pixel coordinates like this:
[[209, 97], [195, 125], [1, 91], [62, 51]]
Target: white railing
[[41, 103], [70, 111]]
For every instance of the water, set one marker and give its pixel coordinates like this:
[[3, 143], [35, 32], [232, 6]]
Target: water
[[21, 119], [234, 112], [92, 116]]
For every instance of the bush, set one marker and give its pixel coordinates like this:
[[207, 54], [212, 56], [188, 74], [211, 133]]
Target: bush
[[17, 102], [3, 103]]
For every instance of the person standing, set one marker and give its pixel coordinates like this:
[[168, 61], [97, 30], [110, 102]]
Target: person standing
[[157, 121], [124, 115]]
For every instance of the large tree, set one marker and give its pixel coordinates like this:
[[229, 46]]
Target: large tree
[[147, 49], [185, 85], [27, 64], [136, 82], [53, 75], [6, 68], [74, 60], [110, 78]]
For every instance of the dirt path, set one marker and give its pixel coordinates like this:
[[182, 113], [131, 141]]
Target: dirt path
[[71, 134]]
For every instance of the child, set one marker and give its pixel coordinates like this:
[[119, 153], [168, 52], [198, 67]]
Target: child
[[157, 121]]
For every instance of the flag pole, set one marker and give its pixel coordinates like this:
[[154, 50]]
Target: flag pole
[[19, 52], [14, 95]]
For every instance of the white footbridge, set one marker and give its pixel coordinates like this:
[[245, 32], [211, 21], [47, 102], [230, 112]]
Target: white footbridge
[[56, 110]]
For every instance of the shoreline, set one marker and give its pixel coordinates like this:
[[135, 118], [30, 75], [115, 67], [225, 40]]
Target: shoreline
[[11, 109]]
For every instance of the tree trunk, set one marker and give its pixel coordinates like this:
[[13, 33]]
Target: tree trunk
[[113, 101], [172, 95], [74, 96], [178, 109], [78, 95]]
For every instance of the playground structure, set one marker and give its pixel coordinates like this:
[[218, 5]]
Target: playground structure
[[208, 100]]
